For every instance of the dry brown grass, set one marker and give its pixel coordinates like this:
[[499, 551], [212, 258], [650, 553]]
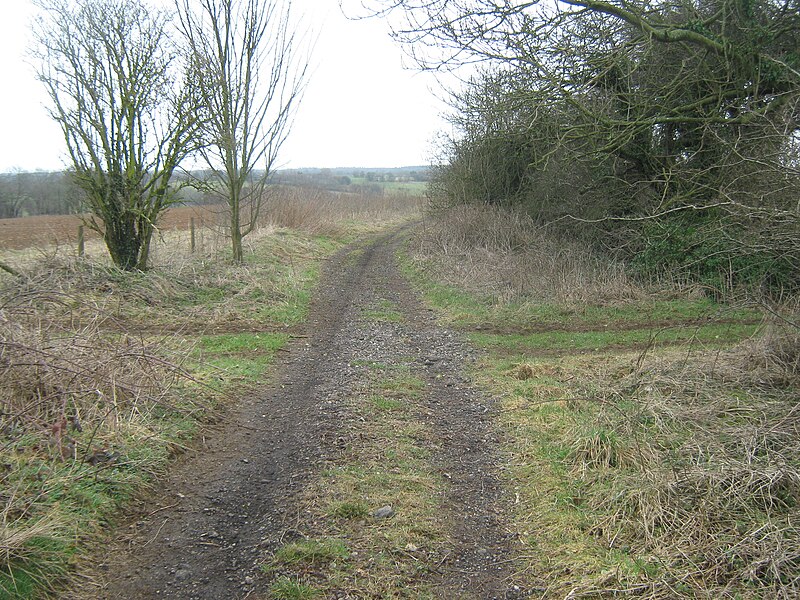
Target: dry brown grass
[[333, 213], [52, 373], [501, 253], [689, 471], [62, 230], [31, 244], [75, 400], [777, 350]]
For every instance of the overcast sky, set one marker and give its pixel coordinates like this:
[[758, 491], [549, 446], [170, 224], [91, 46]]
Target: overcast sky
[[362, 108]]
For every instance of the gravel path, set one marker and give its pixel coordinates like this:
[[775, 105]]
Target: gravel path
[[224, 507]]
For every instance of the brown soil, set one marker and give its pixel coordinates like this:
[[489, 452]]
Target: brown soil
[[44, 230], [230, 503]]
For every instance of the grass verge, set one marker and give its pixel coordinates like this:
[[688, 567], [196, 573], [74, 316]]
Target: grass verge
[[650, 439]]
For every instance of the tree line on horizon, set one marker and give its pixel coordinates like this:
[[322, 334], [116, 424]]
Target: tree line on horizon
[[34, 193]]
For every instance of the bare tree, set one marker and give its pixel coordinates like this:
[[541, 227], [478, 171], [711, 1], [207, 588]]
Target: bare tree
[[117, 92], [251, 73]]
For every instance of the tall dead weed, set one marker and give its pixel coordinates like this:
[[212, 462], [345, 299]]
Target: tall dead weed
[[497, 252], [322, 212]]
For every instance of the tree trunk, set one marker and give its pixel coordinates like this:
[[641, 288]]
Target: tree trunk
[[123, 243], [236, 233], [146, 230]]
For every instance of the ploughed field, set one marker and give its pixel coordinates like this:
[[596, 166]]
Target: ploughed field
[[59, 230]]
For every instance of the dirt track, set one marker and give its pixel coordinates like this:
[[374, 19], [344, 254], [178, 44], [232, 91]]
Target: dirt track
[[232, 502]]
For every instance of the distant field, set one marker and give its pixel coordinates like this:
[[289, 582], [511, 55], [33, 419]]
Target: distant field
[[409, 187], [26, 232], [415, 188]]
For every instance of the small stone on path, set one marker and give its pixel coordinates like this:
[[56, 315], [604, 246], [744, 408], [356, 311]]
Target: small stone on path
[[384, 512]]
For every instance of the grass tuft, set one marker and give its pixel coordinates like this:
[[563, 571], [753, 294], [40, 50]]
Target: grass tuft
[[350, 510], [524, 371], [312, 551], [599, 449], [286, 588], [320, 212]]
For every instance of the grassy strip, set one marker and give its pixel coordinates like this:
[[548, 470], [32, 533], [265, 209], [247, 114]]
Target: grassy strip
[[385, 462], [94, 413], [666, 469], [225, 361], [571, 341], [462, 309], [383, 311], [412, 188]]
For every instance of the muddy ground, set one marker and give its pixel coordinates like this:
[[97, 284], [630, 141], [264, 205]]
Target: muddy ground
[[232, 501]]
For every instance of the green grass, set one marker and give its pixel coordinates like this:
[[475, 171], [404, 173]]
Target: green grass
[[710, 334], [242, 343], [389, 404], [236, 358], [626, 314], [290, 305], [370, 364], [456, 307], [312, 552], [235, 370], [538, 417], [385, 311], [400, 382], [287, 588], [46, 562], [412, 188], [349, 510]]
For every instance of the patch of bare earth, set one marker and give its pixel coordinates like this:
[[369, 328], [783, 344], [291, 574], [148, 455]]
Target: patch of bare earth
[[235, 498]]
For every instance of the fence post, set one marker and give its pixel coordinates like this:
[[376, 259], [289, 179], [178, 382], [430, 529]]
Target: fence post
[[81, 248], [191, 228]]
